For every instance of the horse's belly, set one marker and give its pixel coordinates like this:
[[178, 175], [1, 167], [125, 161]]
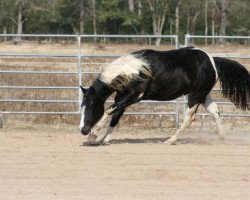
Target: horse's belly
[[167, 90]]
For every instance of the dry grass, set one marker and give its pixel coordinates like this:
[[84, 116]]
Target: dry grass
[[89, 64]]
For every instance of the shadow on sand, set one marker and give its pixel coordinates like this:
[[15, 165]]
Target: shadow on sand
[[158, 140]]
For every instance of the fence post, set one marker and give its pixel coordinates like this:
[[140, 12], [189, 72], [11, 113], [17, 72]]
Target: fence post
[[1, 120], [185, 97], [176, 42], [187, 39], [177, 113], [79, 46]]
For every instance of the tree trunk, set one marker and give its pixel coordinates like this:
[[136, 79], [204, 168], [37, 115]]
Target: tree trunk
[[158, 17], [193, 22], [213, 22], [139, 8], [131, 6], [5, 32], [188, 21], [206, 23], [177, 19], [171, 29], [81, 28], [94, 18], [20, 20], [223, 20]]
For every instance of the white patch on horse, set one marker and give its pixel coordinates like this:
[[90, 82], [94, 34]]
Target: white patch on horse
[[189, 117], [123, 70], [213, 109], [211, 60], [82, 118], [101, 123], [106, 137]]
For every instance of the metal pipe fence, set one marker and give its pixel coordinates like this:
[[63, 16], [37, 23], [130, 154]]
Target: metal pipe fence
[[79, 66], [187, 43], [80, 63]]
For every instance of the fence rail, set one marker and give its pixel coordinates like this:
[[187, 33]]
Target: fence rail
[[79, 64]]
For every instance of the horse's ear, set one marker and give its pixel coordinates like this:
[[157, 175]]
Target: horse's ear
[[83, 89]]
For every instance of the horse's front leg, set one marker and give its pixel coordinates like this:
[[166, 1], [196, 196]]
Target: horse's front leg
[[117, 110], [115, 119], [100, 124]]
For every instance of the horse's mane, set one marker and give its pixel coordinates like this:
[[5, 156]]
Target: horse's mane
[[121, 72]]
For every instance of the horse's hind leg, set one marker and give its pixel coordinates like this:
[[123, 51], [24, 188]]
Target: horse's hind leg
[[190, 113], [213, 109]]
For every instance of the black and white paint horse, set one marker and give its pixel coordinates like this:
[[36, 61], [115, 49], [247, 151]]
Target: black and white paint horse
[[163, 75]]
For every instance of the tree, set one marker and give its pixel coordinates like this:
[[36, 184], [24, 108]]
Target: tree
[[158, 10], [20, 18], [131, 6], [206, 22], [223, 6]]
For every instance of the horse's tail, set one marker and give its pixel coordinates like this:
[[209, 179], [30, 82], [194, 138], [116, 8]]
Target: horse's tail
[[235, 81]]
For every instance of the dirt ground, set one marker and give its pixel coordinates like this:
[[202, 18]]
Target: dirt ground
[[54, 162]]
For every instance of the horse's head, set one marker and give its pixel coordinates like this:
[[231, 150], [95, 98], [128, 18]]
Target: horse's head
[[92, 110]]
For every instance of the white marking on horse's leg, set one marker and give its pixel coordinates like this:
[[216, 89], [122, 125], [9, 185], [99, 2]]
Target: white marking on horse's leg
[[104, 119], [213, 109], [187, 120], [93, 133], [106, 137], [82, 119]]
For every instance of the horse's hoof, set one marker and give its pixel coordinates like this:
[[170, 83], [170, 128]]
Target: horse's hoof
[[92, 138], [171, 141]]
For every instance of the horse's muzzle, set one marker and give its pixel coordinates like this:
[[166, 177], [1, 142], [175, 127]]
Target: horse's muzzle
[[85, 130]]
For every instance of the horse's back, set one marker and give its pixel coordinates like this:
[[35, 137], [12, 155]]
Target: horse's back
[[179, 72]]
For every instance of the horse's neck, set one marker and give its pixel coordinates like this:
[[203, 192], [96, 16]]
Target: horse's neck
[[102, 90]]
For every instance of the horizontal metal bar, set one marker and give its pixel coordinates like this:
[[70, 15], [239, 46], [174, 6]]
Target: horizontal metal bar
[[57, 55], [37, 101], [39, 87], [37, 35], [225, 114], [231, 56], [76, 113], [100, 56], [37, 72], [40, 113], [218, 36], [149, 113], [146, 101], [217, 102], [39, 55], [69, 101], [128, 36], [45, 72], [93, 56], [126, 113], [88, 36], [109, 101]]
